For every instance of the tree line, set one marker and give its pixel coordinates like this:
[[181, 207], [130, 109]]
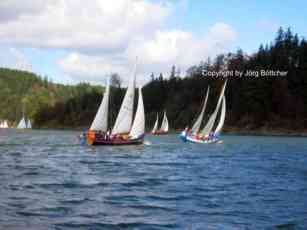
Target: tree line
[[270, 103]]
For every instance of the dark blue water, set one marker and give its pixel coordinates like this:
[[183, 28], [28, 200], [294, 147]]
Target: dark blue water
[[48, 181]]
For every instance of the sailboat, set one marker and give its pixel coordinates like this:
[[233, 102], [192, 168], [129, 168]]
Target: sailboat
[[24, 123], [29, 125], [207, 135], [4, 124], [124, 132], [164, 126]]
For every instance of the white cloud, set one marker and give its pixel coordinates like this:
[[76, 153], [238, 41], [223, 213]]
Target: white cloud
[[91, 68], [74, 24], [156, 54], [101, 36], [13, 9]]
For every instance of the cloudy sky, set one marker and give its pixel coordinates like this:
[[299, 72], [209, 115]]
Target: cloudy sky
[[74, 40]]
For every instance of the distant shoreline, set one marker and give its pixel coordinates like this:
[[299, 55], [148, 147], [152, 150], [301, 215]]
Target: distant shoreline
[[227, 130], [266, 132], [260, 132]]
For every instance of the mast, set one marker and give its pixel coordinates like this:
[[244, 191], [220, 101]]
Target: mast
[[124, 117]]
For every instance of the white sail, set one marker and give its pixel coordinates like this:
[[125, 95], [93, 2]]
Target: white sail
[[156, 125], [29, 125], [210, 123], [100, 122], [138, 126], [222, 117], [5, 124], [124, 117], [1, 124], [164, 125], [197, 124], [22, 124]]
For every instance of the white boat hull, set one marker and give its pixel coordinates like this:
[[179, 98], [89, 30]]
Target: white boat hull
[[188, 138]]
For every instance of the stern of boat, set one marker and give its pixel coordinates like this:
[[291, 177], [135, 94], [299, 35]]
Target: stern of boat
[[183, 136]]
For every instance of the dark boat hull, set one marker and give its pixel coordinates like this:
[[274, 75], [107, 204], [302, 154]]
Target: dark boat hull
[[101, 140], [159, 133], [118, 142]]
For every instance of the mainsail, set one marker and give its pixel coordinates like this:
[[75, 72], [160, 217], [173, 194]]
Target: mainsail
[[5, 124], [164, 125], [222, 117], [197, 124], [156, 125], [210, 123], [138, 126], [124, 117], [29, 125], [22, 124], [100, 122]]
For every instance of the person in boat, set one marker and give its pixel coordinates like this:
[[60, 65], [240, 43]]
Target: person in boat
[[82, 137], [205, 138]]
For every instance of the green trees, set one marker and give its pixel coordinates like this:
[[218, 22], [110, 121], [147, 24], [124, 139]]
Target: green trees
[[252, 103]]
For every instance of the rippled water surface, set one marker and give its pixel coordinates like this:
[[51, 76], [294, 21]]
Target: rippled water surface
[[48, 181]]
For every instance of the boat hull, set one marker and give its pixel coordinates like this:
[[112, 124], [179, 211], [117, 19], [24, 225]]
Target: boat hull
[[98, 139], [159, 133], [192, 139]]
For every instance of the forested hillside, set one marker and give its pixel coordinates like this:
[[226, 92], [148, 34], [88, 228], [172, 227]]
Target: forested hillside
[[21, 90], [253, 103]]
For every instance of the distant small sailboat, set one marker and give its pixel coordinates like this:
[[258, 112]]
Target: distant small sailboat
[[164, 126], [206, 135], [4, 124], [24, 123], [125, 131], [29, 124]]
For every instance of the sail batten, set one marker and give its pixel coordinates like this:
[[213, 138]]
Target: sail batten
[[197, 124], [138, 126], [100, 122]]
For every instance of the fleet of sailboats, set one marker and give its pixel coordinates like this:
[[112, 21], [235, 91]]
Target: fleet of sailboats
[[129, 127], [207, 134], [126, 131], [163, 128]]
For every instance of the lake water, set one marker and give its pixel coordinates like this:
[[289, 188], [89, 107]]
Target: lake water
[[48, 181]]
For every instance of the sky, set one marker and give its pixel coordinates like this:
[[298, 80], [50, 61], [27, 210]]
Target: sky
[[72, 41]]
